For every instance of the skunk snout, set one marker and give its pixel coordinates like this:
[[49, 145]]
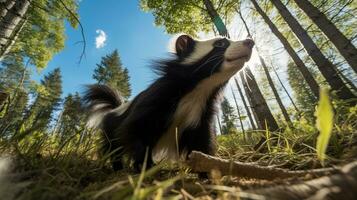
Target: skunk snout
[[249, 42]]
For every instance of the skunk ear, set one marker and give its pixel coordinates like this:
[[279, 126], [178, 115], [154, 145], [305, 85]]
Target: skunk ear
[[184, 45]]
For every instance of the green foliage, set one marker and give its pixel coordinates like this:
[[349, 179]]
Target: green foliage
[[324, 122], [47, 100], [228, 118], [72, 120], [43, 35], [304, 97], [14, 80], [110, 71], [188, 17]]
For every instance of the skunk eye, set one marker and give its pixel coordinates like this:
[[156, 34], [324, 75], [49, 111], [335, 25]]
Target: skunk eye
[[221, 43]]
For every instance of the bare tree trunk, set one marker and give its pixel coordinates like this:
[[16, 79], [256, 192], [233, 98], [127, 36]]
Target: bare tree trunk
[[258, 103], [245, 105], [270, 80], [239, 115], [299, 63], [325, 66], [286, 91], [10, 22], [7, 47], [275, 91], [219, 124], [247, 90], [341, 42], [5, 6]]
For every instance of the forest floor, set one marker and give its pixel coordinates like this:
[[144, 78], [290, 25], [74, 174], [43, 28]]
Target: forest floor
[[48, 170], [50, 166]]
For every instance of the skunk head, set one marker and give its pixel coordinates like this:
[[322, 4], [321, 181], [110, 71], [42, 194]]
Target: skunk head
[[198, 60]]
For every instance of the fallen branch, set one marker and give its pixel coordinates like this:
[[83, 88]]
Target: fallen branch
[[342, 185], [200, 162]]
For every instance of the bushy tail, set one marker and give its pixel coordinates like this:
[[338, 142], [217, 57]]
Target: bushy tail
[[98, 100]]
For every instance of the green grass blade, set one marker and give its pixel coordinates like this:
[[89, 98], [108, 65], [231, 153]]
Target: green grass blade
[[324, 123]]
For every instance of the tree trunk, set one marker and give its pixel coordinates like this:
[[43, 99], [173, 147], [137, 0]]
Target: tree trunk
[[258, 103], [216, 19], [270, 80], [299, 63], [252, 123], [219, 124], [10, 22], [325, 66], [275, 92], [7, 47], [239, 115], [286, 91], [5, 6], [341, 42]]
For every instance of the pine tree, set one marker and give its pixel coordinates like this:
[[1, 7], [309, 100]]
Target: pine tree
[[110, 71], [48, 97], [71, 120], [228, 117], [14, 82], [306, 100]]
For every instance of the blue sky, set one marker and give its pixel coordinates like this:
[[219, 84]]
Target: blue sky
[[127, 29]]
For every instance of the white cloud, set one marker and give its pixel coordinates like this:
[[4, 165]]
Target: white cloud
[[100, 39]]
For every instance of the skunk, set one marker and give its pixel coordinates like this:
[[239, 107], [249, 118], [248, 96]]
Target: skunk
[[175, 114]]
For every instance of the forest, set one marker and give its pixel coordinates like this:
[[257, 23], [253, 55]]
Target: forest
[[286, 127]]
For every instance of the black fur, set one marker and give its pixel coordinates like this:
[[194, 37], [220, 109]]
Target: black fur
[[150, 113]]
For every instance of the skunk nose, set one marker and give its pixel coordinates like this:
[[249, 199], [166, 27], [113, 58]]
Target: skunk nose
[[248, 42]]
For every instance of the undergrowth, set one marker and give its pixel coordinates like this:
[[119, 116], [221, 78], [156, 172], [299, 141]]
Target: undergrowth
[[44, 166]]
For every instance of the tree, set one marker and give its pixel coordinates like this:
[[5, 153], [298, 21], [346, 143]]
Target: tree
[[14, 81], [325, 66], [342, 43], [252, 123], [71, 120], [286, 91], [305, 98], [270, 80], [38, 28], [110, 71], [228, 117], [240, 117], [12, 20], [261, 111], [299, 63], [47, 100], [191, 16]]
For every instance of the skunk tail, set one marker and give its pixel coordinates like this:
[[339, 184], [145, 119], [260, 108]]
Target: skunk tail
[[98, 100]]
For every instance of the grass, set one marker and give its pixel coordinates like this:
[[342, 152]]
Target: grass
[[43, 168]]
